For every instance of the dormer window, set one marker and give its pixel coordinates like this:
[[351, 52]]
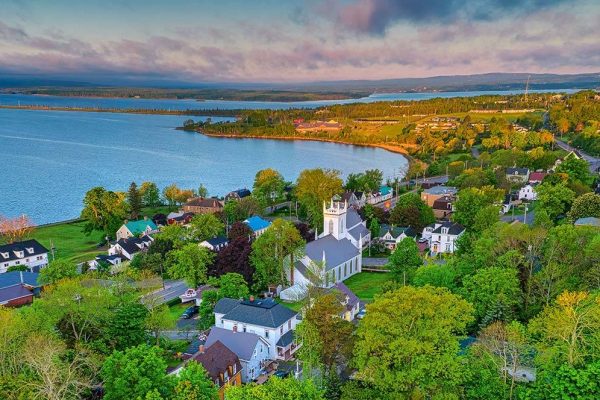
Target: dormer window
[[20, 253], [445, 231], [30, 250], [5, 255]]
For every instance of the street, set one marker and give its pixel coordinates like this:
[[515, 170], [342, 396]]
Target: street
[[173, 289], [593, 161]]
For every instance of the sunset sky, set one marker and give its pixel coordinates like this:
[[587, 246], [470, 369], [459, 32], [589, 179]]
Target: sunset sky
[[288, 41]]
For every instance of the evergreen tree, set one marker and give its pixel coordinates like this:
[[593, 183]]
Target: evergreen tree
[[134, 199]]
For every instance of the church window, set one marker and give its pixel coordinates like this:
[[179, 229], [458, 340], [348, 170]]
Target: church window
[[330, 226]]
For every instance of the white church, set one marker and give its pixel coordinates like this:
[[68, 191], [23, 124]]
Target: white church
[[334, 256]]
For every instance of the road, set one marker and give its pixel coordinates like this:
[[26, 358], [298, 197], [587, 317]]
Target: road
[[440, 179], [173, 289], [594, 162], [520, 218]]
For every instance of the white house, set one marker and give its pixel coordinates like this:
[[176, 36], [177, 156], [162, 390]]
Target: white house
[[263, 317], [517, 175], [355, 199], [128, 248], [527, 192], [251, 349], [29, 253], [257, 224], [384, 193], [442, 236], [392, 235], [216, 243], [136, 228]]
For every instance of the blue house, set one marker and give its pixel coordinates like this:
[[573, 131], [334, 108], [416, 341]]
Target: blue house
[[257, 224]]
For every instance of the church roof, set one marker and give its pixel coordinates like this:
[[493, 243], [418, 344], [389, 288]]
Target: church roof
[[352, 218], [358, 231], [336, 251]]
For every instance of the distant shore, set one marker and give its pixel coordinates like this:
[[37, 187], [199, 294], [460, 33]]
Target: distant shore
[[196, 113]]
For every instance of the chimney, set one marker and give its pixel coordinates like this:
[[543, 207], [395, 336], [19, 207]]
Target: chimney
[[201, 349]]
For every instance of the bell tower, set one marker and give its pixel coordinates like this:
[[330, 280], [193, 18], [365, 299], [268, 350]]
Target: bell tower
[[334, 219]]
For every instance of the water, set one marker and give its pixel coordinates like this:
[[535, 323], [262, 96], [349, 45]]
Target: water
[[49, 159], [165, 104]]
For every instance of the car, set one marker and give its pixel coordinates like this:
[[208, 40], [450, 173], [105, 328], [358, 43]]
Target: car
[[361, 314], [281, 374], [190, 312]]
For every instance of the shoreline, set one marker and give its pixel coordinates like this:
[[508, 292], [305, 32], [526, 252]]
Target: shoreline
[[140, 111]]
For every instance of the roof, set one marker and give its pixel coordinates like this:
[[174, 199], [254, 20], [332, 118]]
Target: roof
[[216, 359], [30, 248], [14, 292], [240, 193], [261, 312], [588, 221], [453, 227], [359, 231], [202, 202], [216, 241], [396, 231], [17, 277], [441, 189], [286, 339], [140, 226], [383, 190], [336, 251], [537, 176], [241, 343], [256, 223], [517, 171], [352, 298], [130, 245], [442, 203], [352, 218]]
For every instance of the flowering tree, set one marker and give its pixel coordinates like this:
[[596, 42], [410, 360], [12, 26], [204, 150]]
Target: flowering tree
[[15, 229]]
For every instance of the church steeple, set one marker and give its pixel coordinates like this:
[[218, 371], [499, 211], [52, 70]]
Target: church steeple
[[334, 219]]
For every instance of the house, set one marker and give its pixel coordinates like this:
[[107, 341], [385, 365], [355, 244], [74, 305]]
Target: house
[[128, 248], [179, 218], [18, 288], [160, 219], [29, 253], [110, 260], [392, 235], [257, 225], [195, 295], [251, 349], [136, 228], [517, 175], [354, 199], [588, 221], [442, 207], [383, 194], [335, 255], [350, 301], [442, 236], [536, 177], [215, 244], [264, 317], [429, 196], [528, 193], [238, 194], [200, 205], [223, 365]]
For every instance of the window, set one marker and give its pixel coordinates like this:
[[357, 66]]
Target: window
[[267, 333], [281, 330], [345, 268], [289, 324], [244, 328], [330, 226]]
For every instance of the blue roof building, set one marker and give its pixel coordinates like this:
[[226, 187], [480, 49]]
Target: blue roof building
[[257, 224]]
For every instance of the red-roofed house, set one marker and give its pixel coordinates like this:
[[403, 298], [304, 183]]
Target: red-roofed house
[[537, 177]]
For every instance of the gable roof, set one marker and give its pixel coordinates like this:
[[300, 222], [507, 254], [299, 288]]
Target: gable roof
[[537, 176], [261, 312], [202, 202], [588, 221], [443, 203], [517, 171], [241, 343], [359, 231], [140, 226], [132, 245], [256, 223], [216, 359], [239, 193], [352, 218], [352, 298], [384, 190], [14, 292], [30, 248], [396, 231], [216, 241], [336, 251], [441, 189], [17, 277], [453, 228]]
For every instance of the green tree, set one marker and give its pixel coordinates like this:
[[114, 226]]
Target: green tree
[[276, 389], [127, 324], [202, 191], [193, 383], [404, 261], [103, 210], [57, 270], [408, 343], [315, 187], [134, 199], [567, 382], [443, 275], [268, 186], [233, 285], [576, 169], [471, 201], [150, 194], [374, 228], [586, 205], [132, 373], [411, 211], [205, 226], [555, 200], [280, 242], [158, 319], [191, 263]]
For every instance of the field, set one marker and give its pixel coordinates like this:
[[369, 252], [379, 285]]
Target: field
[[367, 284], [69, 241]]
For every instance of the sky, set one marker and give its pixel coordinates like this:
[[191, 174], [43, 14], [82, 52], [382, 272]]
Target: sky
[[294, 40]]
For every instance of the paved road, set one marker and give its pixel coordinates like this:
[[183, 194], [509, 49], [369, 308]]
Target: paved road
[[509, 218], [374, 262], [593, 161], [173, 289]]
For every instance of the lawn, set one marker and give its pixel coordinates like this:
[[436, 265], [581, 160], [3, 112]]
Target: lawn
[[367, 284], [296, 306], [176, 310], [69, 241]]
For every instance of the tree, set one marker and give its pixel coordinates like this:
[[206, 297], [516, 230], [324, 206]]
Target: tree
[[134, 198], [411, 211], [202, 191], [276, 389], [171, 193], [205, 226], [268, 185], [567, 382], [171, 236], [233, 285], [191, 263], [577, 169], [127, 324], [404, 260], [15, 229], [313, 188], [56, 271], [374, 228], [235, 257], [103, 210], [555, 200], [407, 344], [443, 275], [158, 318], [587, 205], [150, 194], [132, 373], [493, 287], [279, 242], [193, 383], [471, 201]]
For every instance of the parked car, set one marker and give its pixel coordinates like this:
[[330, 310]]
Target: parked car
[[361, 314], [281, 374], [190, 312]]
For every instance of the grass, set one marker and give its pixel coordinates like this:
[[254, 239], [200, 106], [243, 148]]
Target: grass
[[176, 310], [152, 211], [296, 306], [69, 241], [367, 284]]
